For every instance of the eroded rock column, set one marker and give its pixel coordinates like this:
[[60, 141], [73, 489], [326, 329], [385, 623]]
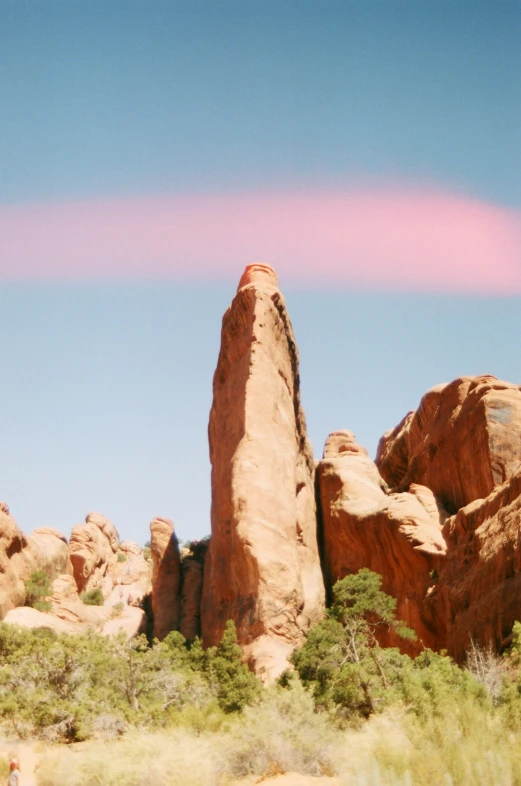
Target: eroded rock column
[[262, 569], [166, 577]]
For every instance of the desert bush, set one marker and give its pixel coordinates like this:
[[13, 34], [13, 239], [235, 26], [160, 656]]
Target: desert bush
[[37, 591], [176, 758], [122, 557], [281, 733], [488, 668], [117, 609], [60, 687], [93, 597]]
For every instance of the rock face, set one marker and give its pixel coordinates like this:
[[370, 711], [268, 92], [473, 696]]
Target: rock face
[[262, 569], [445, 538], [396, 535], [166, 577], [480, 584], [463, 441]]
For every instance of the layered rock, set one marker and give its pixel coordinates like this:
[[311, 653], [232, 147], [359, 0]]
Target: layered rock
[[397, 535], [166, 577], [262, 569]]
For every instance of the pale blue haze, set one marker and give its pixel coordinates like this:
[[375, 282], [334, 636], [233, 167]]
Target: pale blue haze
[[106, 389]]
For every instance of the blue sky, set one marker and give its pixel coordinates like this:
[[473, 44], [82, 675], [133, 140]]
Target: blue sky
[[107, 385]]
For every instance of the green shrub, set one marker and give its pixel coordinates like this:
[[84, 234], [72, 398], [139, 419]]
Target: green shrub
[[37, 591], [93, 597], [117, 608], [72, 687], [122, 557], [342, 663], [234, 684]]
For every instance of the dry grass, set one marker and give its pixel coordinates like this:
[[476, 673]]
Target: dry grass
[[465, 745]]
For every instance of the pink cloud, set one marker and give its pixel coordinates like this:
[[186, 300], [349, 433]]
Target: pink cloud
[[389, 238]]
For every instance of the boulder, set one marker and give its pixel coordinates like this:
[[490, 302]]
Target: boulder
[[166, 577], [262, 568], [398, 535]]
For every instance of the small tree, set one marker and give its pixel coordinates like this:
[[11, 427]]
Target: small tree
[[37, 591], [341, 657], [233, 683]]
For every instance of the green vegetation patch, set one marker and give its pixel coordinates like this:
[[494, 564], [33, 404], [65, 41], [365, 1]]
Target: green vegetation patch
[[38, 590], [93, 597]]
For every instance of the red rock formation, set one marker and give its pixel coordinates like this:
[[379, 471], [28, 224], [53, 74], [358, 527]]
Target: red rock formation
[[20, 555], [13, 545], [463, 441], [166, 577], [396, 535], [481, 581], [93, 547], [262, 569], [463, 445]]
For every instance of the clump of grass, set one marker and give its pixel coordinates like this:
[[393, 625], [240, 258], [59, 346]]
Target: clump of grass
[[117, 610], [38, 590], [177, 758], [464, 745], [459, 745], [93, 597], [282, 733]]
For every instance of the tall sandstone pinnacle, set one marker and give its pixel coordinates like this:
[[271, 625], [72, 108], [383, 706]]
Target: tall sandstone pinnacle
[[263, 568]]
